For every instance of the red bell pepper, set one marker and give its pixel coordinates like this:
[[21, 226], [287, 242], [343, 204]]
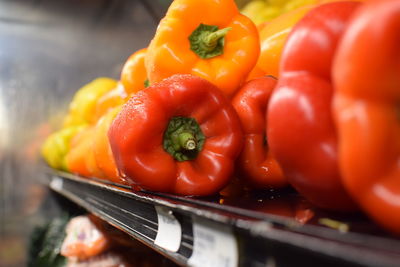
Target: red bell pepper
[[180, 135], [256, 163], [301, 132], [367, 77]]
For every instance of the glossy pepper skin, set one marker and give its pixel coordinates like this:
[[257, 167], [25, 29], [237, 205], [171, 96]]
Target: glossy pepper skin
[[301, 131], [256, 163], [102, 150], [223, 50], [143, 136], [367, 77], [134, 75]]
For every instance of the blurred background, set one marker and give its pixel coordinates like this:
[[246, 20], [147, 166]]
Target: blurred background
[[48, 50]]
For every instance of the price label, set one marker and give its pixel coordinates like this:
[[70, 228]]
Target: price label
[[213, 245], [169, 232]]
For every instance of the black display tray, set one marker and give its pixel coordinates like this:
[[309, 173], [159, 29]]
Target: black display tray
[[268, 228]]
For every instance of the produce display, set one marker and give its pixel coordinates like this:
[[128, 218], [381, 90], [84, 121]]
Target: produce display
[[291, 99]]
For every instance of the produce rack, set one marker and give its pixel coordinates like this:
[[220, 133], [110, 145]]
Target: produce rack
[[204, 232]]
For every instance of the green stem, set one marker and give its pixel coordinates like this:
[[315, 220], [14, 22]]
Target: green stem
[[210, 40], [187, 141], [207, 41], [146, 83], [183, 138]]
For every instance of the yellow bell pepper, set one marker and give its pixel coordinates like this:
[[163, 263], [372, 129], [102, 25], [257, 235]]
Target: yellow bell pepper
[[294, 4], [56, 147], [82, 109], [262, 10]]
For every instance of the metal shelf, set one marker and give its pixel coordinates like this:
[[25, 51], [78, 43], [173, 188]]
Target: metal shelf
[[201, 232]]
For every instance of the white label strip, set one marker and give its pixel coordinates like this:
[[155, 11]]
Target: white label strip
[[213, 245], [169, 232], [56, 183]]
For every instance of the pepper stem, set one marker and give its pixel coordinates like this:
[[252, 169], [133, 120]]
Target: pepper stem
[[207, 41], [187, 141], [183, 138], [210, 40]]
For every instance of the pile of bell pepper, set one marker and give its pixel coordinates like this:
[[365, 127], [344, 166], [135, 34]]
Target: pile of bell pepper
[[307, 99], [261, 11]]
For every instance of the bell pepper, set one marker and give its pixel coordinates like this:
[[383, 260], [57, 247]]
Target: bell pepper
[[56, 147], [273, 37], [267, 10], [301, 132], [256, 162], [274, 33], [206, 38], [260, 10], [110, 100], [102, 150], [134, 75], [256, 72], [80, 159], [83, 105], [180, 135], [367, 79], [263, 10]]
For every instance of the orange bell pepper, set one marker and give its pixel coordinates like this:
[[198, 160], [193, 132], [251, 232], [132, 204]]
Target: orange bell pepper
[[80, 159], [256, 72], [102, 150], [367, 77], [206, 38], [273, 37], [256, 163], [110, 100], [134, 75]]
